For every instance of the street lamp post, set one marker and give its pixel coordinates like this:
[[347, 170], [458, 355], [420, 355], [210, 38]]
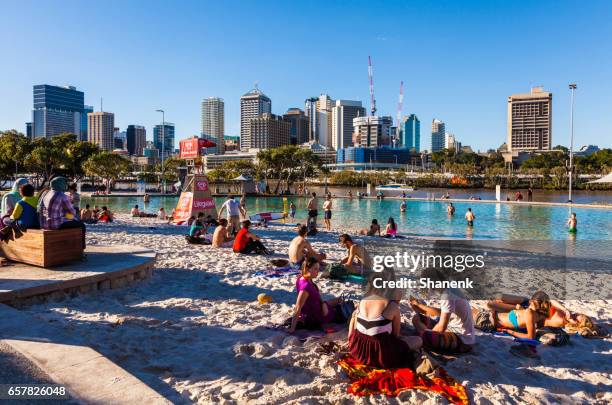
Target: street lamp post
[[572, 87], [162, 151]]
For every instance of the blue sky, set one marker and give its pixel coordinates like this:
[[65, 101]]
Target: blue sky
[[459, 60]]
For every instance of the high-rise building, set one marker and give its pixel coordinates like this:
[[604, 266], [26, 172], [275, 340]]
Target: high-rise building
[[100, 129], [136, 139], [213, 123], [268, 131], [29, 130], [252, 105], [299, 125], [310, 110], [57, 110], [324, 111], [167, 134], [438, 135], [411, 133], [86, 110], [342, 116], [530, 121], [372, 131], [451, 142]]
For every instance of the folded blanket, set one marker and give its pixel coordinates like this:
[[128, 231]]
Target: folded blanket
[[275, 272], [370, 381]]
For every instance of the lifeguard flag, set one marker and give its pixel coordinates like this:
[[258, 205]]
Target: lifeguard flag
[[195, 198]]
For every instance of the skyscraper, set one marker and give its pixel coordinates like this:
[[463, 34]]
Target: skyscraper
[[100, 129], [136, 139], [29, 130], [268, 131], [299, 125], [57, 110], [86, 110], [310, 110], [438, 134], [372, 131], [342, 116], [167, 145], [213, 122], [411, 133], [252, 105], [530, 121], [324, 111]]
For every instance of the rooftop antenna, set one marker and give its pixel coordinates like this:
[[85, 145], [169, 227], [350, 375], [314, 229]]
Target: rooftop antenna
[[101, 105], [371, 75], [400, 104]]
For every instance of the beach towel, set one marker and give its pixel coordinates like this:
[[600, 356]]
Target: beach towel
[[276, 272], [367, 381]]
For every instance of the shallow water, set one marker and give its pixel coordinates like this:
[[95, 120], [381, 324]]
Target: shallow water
[[426, 218]]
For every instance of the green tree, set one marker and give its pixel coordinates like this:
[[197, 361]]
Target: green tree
[[14, 148], [106, 165]]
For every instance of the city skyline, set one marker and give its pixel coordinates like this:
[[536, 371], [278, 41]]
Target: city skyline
[[482, 69]]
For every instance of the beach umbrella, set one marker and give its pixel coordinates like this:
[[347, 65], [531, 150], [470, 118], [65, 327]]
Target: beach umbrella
[[605, 179]]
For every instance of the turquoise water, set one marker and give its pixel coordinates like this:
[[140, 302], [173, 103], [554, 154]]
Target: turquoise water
[[427, 218]]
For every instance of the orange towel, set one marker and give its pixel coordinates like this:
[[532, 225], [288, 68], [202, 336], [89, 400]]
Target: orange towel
[[371, 381]]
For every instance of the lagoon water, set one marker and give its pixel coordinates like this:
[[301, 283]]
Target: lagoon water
[[425, 218]]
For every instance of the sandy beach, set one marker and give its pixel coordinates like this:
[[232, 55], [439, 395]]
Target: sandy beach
[[196, 333]]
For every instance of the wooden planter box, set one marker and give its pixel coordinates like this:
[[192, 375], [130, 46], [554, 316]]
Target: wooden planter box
[[45, 248]]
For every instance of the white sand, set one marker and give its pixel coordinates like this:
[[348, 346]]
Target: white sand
[[196, 334]]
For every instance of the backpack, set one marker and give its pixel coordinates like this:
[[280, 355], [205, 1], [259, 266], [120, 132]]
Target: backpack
[[336, 271]]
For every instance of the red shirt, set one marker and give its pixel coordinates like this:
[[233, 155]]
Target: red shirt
[[241, 240]]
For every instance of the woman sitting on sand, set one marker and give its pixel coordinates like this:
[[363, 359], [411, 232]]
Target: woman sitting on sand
[[530, 318], [374, 229], [391, 229], [558, 316], [374, 332], [310, 311]]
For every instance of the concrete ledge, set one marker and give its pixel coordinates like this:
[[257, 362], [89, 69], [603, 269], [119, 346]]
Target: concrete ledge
[[105, 267], [89, 377]]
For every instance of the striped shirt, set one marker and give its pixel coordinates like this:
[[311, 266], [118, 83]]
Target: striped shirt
[[54, 209]]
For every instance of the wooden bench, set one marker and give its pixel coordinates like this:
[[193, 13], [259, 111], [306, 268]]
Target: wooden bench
[[45, 248]]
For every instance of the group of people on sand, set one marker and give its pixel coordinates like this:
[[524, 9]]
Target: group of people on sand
[[51, 208], [374, 333]]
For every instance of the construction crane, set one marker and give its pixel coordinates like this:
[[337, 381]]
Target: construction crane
[[400, 104], [372, 99]]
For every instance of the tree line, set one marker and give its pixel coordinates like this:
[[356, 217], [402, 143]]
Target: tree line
[[65, 155]]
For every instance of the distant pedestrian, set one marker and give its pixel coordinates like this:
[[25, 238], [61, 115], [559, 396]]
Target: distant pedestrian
[[529, 194], [470, 217]]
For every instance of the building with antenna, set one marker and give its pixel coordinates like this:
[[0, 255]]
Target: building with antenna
[[252, 105]]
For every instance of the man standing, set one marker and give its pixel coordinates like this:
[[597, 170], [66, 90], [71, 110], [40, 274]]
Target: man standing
[[233, 214], [327, 211], [470, 217], [312, 210]]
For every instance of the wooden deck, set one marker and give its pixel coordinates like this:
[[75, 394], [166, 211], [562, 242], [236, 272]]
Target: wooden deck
[[104, 267]]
